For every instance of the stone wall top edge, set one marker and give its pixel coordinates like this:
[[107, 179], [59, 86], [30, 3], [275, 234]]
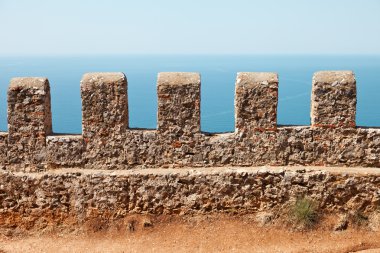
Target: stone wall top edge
[[178, 78], [330, 77], [28, 82], [63, 135], [212, 134], [101, 78], [188, 171], [135, 129], [256, 78]]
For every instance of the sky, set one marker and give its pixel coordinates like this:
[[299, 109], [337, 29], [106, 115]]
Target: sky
[[117, 27]]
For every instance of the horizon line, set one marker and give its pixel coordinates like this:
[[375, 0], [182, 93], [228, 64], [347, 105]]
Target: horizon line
[[188, 54]]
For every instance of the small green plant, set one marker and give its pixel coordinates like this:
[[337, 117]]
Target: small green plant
[[304, 212]]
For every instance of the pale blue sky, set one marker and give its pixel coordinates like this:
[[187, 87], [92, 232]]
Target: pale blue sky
[[70, 27]]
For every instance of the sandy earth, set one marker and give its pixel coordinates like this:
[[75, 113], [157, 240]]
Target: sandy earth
[[206, 234]]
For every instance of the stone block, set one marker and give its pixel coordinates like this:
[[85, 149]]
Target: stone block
[[179, 104], [340, 146], [64, 150], [3, 148], [104, 117], [295, 145], [29, 120], [333, 99], [256, 96], [370, 141]]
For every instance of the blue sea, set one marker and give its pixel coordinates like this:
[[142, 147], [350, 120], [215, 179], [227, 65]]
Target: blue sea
[[218, 73]]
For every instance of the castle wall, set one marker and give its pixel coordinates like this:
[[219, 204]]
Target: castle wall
[[107, 142], [70, 197], [29, 121], [104, 118]]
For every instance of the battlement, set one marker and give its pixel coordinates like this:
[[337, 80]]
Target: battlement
[[107, 142]]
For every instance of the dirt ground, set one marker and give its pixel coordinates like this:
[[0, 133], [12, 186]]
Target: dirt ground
[[196, 234]]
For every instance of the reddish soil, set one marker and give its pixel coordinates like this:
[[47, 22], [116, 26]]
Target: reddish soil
[[196, 234]]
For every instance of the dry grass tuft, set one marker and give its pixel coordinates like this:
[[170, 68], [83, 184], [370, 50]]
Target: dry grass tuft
[[304, 213]]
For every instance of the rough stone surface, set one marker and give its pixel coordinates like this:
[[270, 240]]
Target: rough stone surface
[[256, 96], [29, 199], [104, 118], [179, 104], [3, 147], [29, 120], [333, 101], [108, 143], [64, 150]]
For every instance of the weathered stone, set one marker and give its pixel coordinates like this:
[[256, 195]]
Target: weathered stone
[[178, 104], [374, 221], [264, 218], [79, 194], [256, 96], [342, 223], [29, 120], [108, 143], [65, 150], [3, 147], [369, 140], [295, 145], [104, 118], [333, 99]]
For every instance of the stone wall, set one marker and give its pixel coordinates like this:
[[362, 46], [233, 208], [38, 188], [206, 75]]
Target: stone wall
[[58, 197], [107, 142]]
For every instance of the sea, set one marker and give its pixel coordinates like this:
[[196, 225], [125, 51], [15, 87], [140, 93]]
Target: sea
[[218, 74]]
